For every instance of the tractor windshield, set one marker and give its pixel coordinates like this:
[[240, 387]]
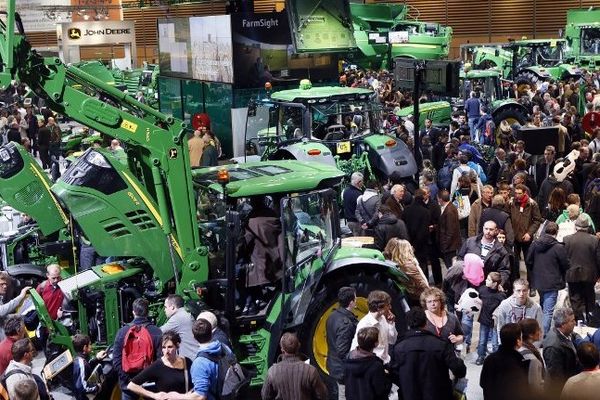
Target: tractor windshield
[[590, 41], [309, 222], [344, 120], [267, 123]]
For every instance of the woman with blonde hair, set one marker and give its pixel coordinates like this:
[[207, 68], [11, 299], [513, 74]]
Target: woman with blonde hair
[[401, 252], [439, 321]]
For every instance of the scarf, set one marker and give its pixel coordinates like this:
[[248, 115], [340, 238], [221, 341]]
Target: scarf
[[524, 201], [534, 350]]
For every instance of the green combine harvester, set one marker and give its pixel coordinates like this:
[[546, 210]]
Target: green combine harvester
[[371, 35], [174, 230]]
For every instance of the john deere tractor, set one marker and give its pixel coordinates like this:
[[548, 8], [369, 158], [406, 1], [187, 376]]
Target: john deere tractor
[[492, 93], [583, 37], [339, 126], [174, 230], [526, 62]]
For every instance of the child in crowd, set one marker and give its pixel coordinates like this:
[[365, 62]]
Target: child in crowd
[[83, 367], [491, 295]]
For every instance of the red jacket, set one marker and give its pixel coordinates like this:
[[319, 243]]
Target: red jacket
[[5, 353]]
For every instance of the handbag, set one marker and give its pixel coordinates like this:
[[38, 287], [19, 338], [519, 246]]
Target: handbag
[[463, 205]]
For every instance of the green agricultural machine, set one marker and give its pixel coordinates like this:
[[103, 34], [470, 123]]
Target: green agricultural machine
[[526, 62], [174, 230], [338, 126], [583, 36], [370, 35], [489, 84]]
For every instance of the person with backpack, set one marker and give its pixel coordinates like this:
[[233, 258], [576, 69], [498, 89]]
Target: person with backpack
[[215, 372], [291, 378], [136, 346], [20, 369], [170, 373]]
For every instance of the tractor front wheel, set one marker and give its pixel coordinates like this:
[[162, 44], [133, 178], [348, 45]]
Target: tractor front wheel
[[313, 333]]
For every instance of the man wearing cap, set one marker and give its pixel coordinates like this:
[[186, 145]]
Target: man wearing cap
[[583, 250]]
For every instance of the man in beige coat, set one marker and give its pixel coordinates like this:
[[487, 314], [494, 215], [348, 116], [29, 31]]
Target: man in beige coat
[[195, 146]]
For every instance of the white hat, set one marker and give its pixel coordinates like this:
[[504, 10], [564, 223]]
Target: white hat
[[210, 317]]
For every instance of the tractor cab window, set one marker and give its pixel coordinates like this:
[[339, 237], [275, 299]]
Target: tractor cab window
[[211, 221], [290, 120], [411, 29], [343, 120], [590, 41], [309, 227]]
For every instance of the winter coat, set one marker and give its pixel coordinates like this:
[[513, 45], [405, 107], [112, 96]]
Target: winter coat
[[349, 198], [293, 379], [366, 378], [422, 361], [341, 327], [502, 220], [389, 227], [448, 231], [417, 282], [418, 218], [455, 283], [561, 360], [548, 185], [490, 299], [264, 245], [367, 207], [525, 221], [547, 259], [477, 209], [564, 217], [14, 135], [396, 207], [497, 259], [583, 251], [504, 375]]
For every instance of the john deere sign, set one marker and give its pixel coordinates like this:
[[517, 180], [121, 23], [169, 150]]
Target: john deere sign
[[96, 33]]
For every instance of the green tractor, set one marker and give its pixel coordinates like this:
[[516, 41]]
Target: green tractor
[[492, 94], [583, 37], [338, 126], [174, 230], [526, 62]]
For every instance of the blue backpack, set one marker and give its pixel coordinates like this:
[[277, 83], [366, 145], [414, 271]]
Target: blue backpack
[[445, 174]]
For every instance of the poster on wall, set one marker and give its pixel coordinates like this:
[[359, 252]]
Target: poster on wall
[[174, 47], [41, 15], [212, 58], [263, 50], [196, 48]]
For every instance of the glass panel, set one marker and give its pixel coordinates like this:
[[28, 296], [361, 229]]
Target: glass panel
[[169, 96], [192, 99], [308, 226]]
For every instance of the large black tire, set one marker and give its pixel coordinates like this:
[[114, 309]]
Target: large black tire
[[527, 78], [509, 114], [312, 334]]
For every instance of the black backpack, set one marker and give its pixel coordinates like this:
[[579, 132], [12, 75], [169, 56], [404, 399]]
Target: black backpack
[[42, 389], [232, 378]]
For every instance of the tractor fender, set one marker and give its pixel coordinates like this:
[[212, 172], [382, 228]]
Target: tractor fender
[[391, 157], [301, 299], [540, 72], [18, 270], [302, 152]]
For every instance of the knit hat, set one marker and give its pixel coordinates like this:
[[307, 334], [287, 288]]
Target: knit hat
[[473, 269], [582, 222], [210, 317]]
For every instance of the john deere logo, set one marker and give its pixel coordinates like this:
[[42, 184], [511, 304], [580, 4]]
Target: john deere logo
[[74, 33]]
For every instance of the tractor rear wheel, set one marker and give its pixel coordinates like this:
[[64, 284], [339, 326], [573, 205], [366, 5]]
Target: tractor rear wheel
[[511, 115], [526, 78], [313, 333]]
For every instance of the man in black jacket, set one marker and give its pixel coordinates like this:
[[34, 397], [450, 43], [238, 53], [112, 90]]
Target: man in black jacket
[[388, 227], [421, 220], [504, 373], [583, 250], [494, 254], [422, 361], [548, 261], [340, 330]]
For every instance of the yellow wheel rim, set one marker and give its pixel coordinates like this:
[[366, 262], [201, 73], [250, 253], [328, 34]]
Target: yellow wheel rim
[[510, 121], [319, 339]]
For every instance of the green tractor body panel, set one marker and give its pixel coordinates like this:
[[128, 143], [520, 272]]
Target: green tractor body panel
[[582, 33], [351, 252], [131, 229], [439, 112], [26, 187], [320, 94], [270, 177]]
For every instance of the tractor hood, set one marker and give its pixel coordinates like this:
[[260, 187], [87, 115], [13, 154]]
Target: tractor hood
[[116, 213], [26, 187]]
